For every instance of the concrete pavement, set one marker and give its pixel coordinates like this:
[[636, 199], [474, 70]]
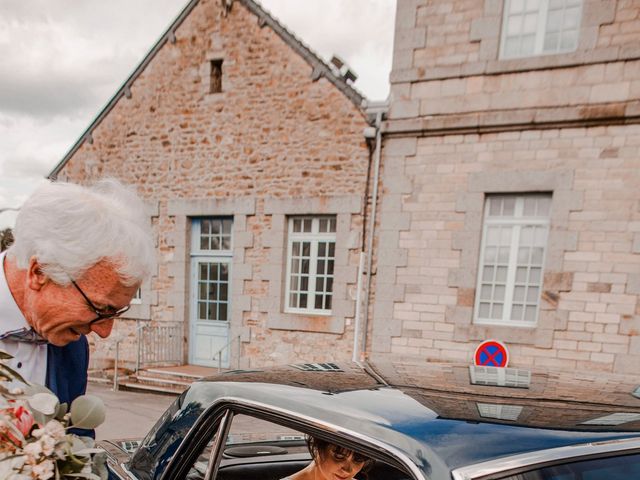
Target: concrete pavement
[[129, 414]]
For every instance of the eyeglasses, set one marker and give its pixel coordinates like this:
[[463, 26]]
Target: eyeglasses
[[101, 315]]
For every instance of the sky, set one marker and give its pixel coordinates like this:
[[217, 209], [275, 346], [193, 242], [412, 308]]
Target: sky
[[62, 60]]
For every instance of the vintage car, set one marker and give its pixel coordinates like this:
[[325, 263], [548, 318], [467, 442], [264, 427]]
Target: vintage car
[[425, 421]]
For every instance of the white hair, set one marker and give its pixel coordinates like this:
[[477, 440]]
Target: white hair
[[70, 228]]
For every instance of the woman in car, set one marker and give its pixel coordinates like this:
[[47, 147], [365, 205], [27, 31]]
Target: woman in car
[[331, 462]]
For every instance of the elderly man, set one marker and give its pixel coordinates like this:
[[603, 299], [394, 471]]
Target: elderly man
[[79, 257]]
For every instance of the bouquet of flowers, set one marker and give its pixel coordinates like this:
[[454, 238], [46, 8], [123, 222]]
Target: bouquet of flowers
[[35, 442]]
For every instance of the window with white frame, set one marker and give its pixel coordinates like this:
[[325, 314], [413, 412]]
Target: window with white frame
[[310, 261], [514, 240], [540, 27]]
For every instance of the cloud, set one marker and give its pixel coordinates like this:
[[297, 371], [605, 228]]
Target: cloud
[[58, 59]]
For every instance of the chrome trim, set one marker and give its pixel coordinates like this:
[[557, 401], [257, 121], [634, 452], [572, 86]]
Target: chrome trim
[[402, 458], [218, 444], [531, 459]]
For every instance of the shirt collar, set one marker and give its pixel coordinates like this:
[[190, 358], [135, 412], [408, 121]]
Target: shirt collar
[[11, 318]]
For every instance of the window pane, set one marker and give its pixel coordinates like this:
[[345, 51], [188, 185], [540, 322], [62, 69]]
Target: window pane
[[530, 314], [534, 275], [612, 468], [215, 227], [226, 243], [530, 23], [498, 293], [303, 300], [518, 294], [487, 274], [516, 6], [215, 243], [554, 21], [226, 227], [293, 300], [501, 275], [297, 225], [306, 249], [204, 243], [521, 274], [318, 302], [515, 25], [495, 206], [327, 302], [528, 42], [329, 285], [532, 295], [332, 225], [496, 311], [295, 249], [305, 265], [569, 41], [204, 269], [516, 312], [485, 292], [307, 224], [222, 314], [484, 310]]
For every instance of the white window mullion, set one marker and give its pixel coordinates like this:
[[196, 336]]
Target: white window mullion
[[289, 260], [313, 267], [542, 27], [511, 273]]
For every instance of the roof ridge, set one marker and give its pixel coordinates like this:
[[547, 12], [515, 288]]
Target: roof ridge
[[306, 51]]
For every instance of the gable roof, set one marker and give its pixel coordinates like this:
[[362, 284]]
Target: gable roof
[[320, 67]]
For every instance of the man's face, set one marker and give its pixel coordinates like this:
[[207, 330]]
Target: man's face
[[61, 314]]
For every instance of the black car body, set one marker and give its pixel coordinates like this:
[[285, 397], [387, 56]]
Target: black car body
[[426, 421]]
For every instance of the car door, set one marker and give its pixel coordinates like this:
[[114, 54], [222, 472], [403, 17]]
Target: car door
[[612, 460]]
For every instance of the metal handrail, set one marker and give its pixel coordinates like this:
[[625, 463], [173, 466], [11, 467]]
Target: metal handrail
[[227, 345]]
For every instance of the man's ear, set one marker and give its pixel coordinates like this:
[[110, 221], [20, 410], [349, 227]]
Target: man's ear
[[36, 278]]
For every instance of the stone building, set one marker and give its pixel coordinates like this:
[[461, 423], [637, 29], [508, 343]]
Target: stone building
[[249, 151], [511, 183]]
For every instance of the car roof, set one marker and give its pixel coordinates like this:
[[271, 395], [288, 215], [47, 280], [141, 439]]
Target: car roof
[[437, 415]]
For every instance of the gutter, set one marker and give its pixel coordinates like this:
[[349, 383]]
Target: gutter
[[379, 109]]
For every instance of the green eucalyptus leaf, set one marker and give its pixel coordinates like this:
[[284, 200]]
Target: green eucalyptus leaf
[[87, 411]]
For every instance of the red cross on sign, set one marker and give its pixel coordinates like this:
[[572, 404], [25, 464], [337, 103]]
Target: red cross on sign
[[491, 353]]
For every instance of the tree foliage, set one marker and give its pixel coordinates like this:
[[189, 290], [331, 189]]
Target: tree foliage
[[6, 239]]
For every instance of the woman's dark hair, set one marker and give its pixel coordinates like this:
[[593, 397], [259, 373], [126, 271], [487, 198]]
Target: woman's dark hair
[[319, 449]]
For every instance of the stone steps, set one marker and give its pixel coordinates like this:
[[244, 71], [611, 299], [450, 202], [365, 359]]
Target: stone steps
[[173, 380]]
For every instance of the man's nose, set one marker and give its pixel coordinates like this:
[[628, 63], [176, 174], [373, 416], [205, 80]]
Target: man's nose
[[103, 329]]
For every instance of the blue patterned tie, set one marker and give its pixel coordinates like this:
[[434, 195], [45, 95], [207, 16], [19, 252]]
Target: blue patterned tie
[[24, 335]]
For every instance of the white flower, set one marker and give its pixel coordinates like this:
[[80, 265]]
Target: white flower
[[10, 466], [52, 428], [33, 450], [43, 470]]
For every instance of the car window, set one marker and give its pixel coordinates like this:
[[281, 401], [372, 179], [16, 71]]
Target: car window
[[611, 468]]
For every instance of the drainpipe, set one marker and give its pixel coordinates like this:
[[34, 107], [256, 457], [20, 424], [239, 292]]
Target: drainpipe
[[372, 225]]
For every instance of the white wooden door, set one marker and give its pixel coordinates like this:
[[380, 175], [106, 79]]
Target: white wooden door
[[210, 284]]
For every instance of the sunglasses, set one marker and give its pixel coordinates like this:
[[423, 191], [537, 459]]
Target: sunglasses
[[104, 314], [339, 454]]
